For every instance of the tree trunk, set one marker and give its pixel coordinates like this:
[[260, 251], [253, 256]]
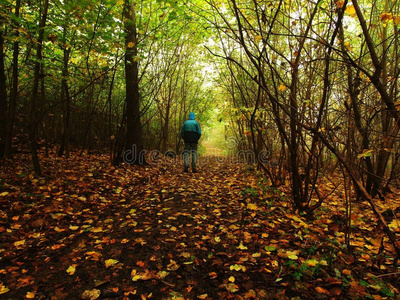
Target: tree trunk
[[64, 146], [109, 100], [14, 89], [3, 99], [134, 140], [295, 131], [33, 118]]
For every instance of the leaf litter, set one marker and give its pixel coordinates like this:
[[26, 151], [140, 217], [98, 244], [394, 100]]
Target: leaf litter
[[87, 230]]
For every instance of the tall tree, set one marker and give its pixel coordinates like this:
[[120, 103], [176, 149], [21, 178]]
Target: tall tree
[[14, 88], [3, 98], [33, 115], [65, 98], [134, 140]]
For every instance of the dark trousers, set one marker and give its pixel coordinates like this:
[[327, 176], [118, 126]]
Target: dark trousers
[[190, 148]]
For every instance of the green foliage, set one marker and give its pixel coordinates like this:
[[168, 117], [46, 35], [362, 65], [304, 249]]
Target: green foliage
[[250, 191]]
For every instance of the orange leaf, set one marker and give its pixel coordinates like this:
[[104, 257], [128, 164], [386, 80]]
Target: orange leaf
[[281, 88], [322, 290], [140, 263], [346, 272], [339, 3], [385, 17]]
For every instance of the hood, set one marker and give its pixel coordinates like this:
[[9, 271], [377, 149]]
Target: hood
[[191, 116]]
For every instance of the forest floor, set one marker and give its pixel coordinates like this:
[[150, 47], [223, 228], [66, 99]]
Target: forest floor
[[88, 230]]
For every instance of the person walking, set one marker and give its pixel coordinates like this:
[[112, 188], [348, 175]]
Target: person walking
[[191, 134]]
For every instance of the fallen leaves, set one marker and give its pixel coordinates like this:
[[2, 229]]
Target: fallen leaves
[[395, 225], [147, 275], [252, 206], [322, 290], [93, 255], [3, 289], [110, 262], [311, 262], [172, 266], [237, 267], [292, 255], [241, 247], [197, 238], [71, 269], [91, 294], [19, 243]]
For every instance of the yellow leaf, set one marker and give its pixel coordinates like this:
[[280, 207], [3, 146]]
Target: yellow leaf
[[232, 279], [136, 277], [30, 295], [257, 38], [74, 227], [173, 266], [217, 239], [323, 263], [162, 274], [366, 153], [311, 262], [292, 255], [395, 225], [91, 294], [237, 267], [71, 270], [252, 206], [255, 255], [351, 11], [131, 44], [111, 262], [396, 20], [282, 88], [19, 243], [3, 289], [242, 247], [4, 194], [203, 296], [97, 229], [348, 46]]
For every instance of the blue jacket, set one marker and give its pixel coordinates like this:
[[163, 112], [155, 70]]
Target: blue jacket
[[191, 131]]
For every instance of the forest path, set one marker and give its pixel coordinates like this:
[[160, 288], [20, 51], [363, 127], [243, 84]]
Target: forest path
[[89, 230], [130, 231]]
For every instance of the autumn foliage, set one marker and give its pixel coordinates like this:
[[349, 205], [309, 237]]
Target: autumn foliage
[[88, 230]]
